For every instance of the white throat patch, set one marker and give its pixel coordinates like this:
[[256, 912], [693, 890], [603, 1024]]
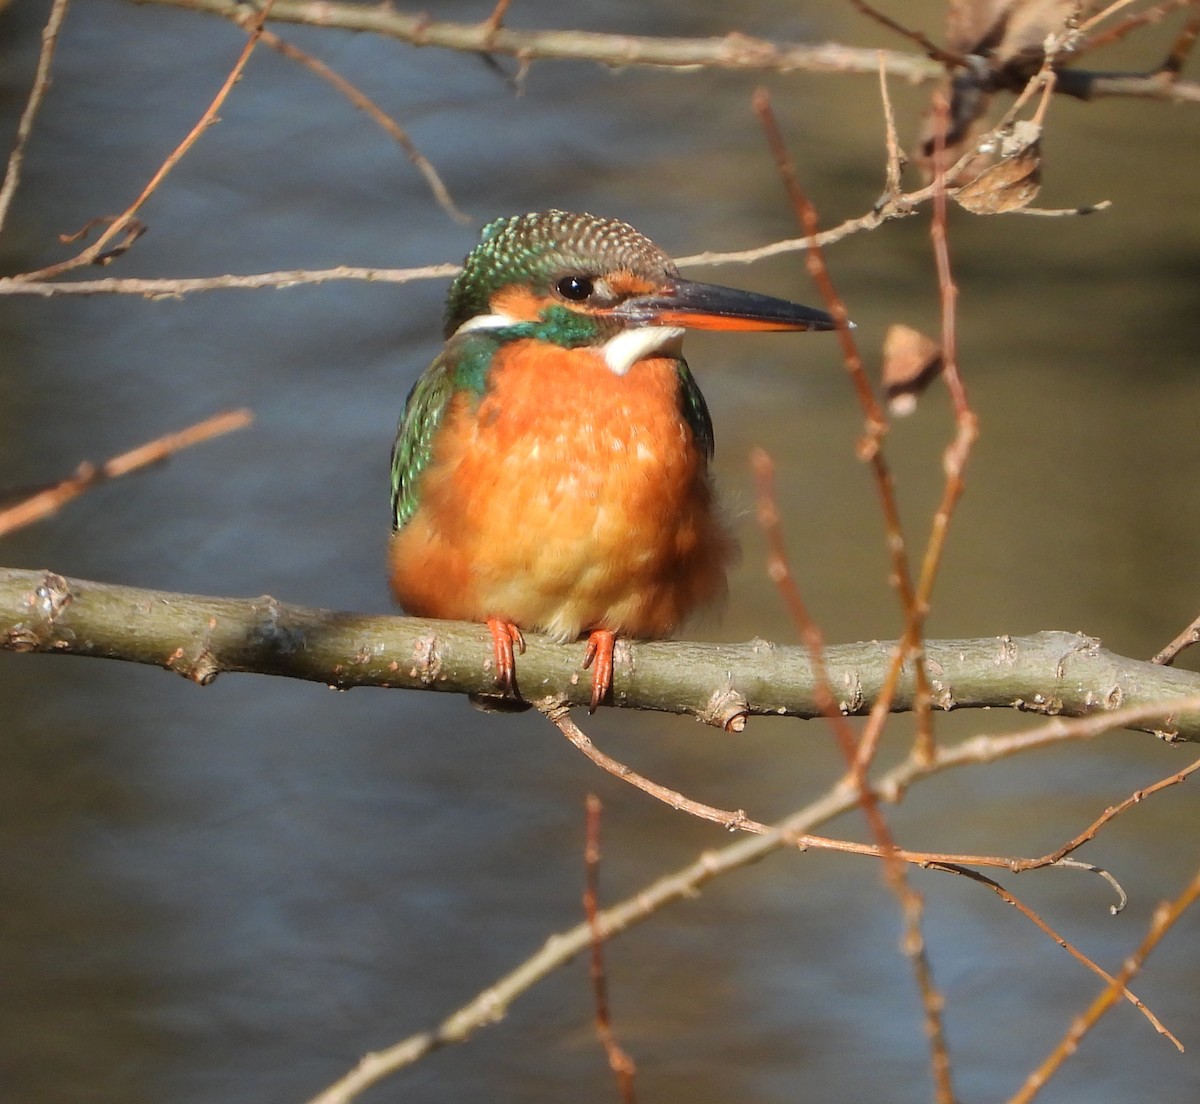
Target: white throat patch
[[486, 322], [629, 346]]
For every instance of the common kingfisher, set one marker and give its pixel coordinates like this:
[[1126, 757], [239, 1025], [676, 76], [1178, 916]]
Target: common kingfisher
[[550, 471]]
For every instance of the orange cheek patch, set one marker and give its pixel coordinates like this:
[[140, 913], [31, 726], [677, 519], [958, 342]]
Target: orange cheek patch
[[519, 302]]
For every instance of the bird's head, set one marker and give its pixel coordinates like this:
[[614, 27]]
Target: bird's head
[[583, 280]]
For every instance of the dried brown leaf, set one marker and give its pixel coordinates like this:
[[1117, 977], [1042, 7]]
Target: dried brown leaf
[[911, 361], [1013, 181]]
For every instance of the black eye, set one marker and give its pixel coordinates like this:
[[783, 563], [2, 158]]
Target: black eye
[[575, 288]]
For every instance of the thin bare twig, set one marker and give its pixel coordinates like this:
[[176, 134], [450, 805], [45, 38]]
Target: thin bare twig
[[938, 53], [51, 500], [1181, 49], [955, 457], [1114, 811], [780, 573], [1100, 16], [894, 157], [1184, 640], [619, 1062], [495, 21], [910, 901], [246, 20], [41, 82]]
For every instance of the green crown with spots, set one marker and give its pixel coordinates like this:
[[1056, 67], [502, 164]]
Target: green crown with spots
[[538, 249]]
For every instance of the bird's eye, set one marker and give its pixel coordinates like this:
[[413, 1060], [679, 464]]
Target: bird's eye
[[575, 288]]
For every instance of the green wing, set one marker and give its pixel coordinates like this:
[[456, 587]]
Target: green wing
[[423, 411], [461, 366], [695, 410]]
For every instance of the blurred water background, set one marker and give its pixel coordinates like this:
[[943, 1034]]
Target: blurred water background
[[230, 894]]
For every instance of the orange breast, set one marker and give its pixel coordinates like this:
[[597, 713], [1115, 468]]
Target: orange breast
[[566, 499]]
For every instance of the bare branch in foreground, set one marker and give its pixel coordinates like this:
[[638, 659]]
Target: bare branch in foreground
[[490, 1005], [1051, 673]]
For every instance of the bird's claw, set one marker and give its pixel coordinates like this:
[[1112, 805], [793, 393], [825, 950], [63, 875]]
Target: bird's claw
[[599, 656], [505, 638]]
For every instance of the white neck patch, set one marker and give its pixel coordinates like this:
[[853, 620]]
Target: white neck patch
[[624, 350], [487, 322]]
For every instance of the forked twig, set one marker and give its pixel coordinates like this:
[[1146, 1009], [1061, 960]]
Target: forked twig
[[1165, 917], [122, 223], [1011, 899], [1111, 813]]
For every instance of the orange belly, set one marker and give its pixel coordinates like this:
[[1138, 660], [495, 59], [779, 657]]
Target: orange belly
[[565, 499]]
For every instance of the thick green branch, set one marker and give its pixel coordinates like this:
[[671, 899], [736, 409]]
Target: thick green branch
[[1052, 673]]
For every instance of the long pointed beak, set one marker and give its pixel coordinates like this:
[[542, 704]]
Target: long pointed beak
[[711, 307]]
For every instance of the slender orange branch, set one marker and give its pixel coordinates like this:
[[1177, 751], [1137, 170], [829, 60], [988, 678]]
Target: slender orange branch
[[870, 449], [52, 499], [619, 1062], [1185, 639], [1111, 813], [910, 901]]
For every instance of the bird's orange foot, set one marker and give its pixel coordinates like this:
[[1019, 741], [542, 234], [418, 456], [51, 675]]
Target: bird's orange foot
[[599, 656], [505, 637]]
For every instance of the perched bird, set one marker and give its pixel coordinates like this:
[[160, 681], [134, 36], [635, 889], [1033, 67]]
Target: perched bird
[[550, 471]]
